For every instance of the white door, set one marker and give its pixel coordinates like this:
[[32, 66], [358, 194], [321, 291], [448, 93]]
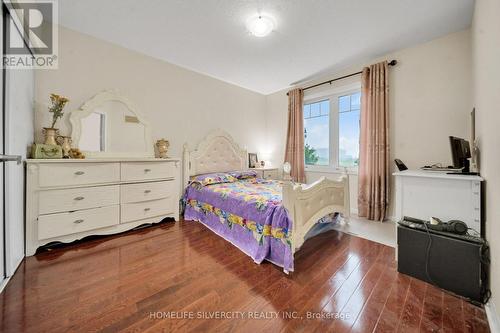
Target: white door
[[19, 114], [18, 119]]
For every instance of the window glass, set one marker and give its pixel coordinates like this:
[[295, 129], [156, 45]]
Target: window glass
[[344, 103], [349, 130], [356, 101], [307, 110], [317, 133]]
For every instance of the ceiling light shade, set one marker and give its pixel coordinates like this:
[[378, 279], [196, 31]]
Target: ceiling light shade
[[261, 25]]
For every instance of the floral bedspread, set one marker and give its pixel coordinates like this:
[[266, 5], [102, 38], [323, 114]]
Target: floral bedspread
[[248, 213]]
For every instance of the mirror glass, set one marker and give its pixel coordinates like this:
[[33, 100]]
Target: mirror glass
[[93, 136], [112, 128]]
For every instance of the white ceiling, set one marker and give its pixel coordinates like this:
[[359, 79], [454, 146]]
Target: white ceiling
[[312, 37]]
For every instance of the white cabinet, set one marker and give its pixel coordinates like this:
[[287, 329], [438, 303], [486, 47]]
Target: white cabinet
[[141, 171], [67, 200], [425, 194], [71, 199], [146, 191], [146, 209], [267, 173], [73, 222], [74, 173]]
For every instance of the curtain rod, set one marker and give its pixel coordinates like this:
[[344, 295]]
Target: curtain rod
[[390, 63]]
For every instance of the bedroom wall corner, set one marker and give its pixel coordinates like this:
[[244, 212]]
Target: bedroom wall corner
[[430, 99], [486, 69], [276, 126]]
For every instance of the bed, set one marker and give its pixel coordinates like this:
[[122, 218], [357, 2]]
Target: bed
[[266, 219]]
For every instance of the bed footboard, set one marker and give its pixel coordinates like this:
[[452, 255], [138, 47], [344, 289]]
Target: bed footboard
[[306, 204]]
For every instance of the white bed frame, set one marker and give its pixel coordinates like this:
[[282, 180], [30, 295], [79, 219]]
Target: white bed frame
[[305, 204]]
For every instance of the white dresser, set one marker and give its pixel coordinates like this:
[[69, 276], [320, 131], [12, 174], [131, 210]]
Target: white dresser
[[70, 199], [425, 194]]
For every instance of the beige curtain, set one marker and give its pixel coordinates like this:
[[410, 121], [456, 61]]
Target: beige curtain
[[373, 174], [294, 153]]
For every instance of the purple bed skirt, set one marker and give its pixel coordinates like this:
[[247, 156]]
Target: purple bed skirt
[[268, 248]]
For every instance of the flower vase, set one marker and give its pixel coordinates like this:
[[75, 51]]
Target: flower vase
[[50, 135]]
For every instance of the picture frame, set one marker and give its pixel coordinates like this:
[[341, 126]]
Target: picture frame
[[253, 160]]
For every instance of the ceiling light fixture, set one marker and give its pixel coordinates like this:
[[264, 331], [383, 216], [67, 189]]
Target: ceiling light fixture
[[261, 25]]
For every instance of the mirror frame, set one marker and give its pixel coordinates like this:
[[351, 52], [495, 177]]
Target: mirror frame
[[98, 100]]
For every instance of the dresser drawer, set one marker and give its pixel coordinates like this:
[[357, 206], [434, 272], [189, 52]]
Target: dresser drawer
[[137, 171], [54, 225], [67, 174], [143, 210], [147, 191], [270, 174], [55, 201]]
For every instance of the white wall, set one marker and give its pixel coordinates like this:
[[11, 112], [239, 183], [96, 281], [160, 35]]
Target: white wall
[[430, 99], [182, 106], [486, 68]]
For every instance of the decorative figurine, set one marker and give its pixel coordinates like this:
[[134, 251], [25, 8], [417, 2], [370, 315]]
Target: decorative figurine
[[76, 153], [162, 145], [65, 143]]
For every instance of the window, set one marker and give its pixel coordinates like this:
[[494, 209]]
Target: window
[[331, 131]]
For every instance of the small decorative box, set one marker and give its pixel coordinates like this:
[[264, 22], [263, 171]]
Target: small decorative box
[[41, 151]]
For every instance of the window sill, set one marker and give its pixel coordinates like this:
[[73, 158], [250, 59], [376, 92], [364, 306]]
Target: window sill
[[327, 170]]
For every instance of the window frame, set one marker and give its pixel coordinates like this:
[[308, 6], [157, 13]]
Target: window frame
[[332, 96]]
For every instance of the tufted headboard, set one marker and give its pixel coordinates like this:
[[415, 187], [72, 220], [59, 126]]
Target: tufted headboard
[[217, 152]]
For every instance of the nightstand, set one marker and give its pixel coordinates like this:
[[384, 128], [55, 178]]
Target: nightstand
[[267, 173]]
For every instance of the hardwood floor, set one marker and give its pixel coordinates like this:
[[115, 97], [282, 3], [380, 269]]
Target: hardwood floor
[[135, 281]]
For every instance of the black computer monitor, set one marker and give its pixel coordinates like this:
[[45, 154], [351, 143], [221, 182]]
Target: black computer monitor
[[460, 152]]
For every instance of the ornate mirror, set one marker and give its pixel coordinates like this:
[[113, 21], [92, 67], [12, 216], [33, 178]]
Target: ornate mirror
[[108, 125]]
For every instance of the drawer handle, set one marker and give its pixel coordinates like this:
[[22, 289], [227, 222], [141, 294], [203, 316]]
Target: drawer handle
[[79, 198], [79, 173], [147, 191], [78, 221], [147, 170], [147, 209]]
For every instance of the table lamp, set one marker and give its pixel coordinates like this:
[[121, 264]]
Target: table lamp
[[286, 171]]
